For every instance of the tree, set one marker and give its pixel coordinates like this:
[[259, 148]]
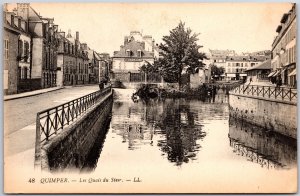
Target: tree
[[180, 51], [215, 70], [148, 68]]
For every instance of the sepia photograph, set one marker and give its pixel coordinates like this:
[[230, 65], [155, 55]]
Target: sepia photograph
[[140, 97]]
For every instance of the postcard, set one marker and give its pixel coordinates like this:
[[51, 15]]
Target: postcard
[[150, 97]]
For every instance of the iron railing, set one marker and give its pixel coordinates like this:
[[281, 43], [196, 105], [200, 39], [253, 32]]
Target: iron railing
[[253, 155], [278, 93], [50, 121]]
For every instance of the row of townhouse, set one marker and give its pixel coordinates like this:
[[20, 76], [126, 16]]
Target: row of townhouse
[[235, 65], [284, 50], [37, 55]]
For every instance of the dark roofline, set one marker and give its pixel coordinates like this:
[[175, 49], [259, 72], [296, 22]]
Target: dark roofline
[[12, 30]]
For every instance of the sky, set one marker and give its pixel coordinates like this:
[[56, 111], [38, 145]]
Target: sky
[[243, 27]]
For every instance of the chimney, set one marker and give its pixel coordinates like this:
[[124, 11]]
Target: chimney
[[5, 7], [77, 35], [69, 34]]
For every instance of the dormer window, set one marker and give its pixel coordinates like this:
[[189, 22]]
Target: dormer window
[[139, 53], [128, 52]]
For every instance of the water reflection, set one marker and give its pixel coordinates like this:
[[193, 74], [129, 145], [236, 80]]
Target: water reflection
[[269, 149], [180, 130], [177, 123], [185, 132]]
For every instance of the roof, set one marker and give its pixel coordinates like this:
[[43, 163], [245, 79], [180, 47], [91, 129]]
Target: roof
[[97, 56], [246, 58], [262, 66], [133, 46]]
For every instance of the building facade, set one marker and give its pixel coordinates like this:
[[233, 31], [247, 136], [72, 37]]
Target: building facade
[[72, 61], [260, 72], [136, 51], [17, 68], [236, 66], [218, 57], [37, 55], [284, 49]]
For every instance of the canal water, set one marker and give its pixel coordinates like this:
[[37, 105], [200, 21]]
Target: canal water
[[180, 145]]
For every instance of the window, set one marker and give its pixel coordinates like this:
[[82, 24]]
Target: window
[[6, 49], [139, 53], [19, 22], [65, 47], [26, 28], [26, 51], [242, 65], [25, 72], [229, 64], [12, 20], [20, 48], [128, 52]]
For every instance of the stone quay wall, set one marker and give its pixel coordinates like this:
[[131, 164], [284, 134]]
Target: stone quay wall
[[274, 115], [71, 147]]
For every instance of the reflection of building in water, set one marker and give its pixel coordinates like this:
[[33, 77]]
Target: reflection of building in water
[[269, 149]]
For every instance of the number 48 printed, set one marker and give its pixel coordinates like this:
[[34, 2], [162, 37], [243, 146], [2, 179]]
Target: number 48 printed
[[31, 180]]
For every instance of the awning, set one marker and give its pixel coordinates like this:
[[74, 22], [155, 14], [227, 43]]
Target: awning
[[282, 72], [271, 74], [277, 73], [243, 74], [293, 73]]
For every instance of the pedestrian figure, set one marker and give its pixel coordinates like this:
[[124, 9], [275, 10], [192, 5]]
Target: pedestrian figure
[[279, 82], [250, 79]]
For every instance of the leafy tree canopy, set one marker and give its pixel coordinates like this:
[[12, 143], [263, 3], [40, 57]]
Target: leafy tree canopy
[[215, 70], [149, 68], [180, 51]]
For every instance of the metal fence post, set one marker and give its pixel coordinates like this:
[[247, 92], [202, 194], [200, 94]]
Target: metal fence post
[[56, 115], [47, 125], [68, 115], [37, 155], [63, 116]]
